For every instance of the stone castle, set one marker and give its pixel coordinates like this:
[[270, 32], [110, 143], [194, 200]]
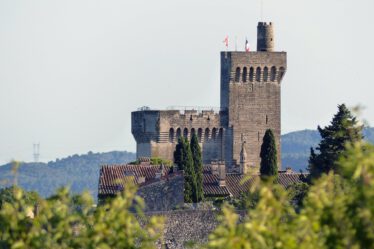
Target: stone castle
[[250, 103]]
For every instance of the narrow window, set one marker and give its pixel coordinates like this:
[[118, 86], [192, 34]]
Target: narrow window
[[171, 135], [266, 73], [281, 74], [185, 133], [206, 135], [258, 74], [214, 133], [245, 74], [192, 132], [199, 134], [179, 133], [220, 134], [258, 136], [251, 74], [273, 72], [267, 119], [237, 74]]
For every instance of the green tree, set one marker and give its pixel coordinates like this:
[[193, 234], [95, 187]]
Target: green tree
[[7, 195], [179, 153], [297, 193], [198, 167], [343, 130], [189, 173], [268, 154]]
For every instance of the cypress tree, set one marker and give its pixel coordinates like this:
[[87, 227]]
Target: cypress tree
[[189, 172], [268, 154], [179, 153], [198, 167], [343, 130]]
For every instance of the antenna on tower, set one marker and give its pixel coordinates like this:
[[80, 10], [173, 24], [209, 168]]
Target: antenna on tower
[[36, 149]]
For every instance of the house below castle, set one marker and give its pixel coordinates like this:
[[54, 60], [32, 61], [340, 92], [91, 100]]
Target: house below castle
[[163, 190]]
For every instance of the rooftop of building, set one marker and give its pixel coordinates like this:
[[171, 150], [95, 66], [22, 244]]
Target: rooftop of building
[[114, 177]]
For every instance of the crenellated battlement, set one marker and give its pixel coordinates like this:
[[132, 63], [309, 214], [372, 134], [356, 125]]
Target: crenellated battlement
[[265, 24]]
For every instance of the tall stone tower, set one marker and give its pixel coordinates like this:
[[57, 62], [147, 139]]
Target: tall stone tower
[[251, 97]]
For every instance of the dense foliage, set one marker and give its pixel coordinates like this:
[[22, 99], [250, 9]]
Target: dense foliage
[[155, 161], [337, 212], [198, 167], [342, 130], [7, 196], [58, 225], [268, 154]]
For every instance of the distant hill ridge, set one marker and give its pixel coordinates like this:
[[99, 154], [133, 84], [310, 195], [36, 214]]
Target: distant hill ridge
[[81, 172], [296, 146]]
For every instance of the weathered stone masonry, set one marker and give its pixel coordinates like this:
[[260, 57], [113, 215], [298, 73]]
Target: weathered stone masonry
[[250, 104]]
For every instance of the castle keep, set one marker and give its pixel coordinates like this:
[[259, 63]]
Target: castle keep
[[249, 104]]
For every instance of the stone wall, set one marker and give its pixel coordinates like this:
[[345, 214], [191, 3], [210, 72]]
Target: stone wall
[[186, 227], [157, 132], [163, 195]]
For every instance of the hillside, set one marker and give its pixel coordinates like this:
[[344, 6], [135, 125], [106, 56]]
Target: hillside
[[296, 147], [81, 172]]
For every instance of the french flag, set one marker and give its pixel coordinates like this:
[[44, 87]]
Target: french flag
[[246, 46], [226, 41]]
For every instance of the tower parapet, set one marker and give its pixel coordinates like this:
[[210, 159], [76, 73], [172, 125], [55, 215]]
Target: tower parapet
[[265, 37]]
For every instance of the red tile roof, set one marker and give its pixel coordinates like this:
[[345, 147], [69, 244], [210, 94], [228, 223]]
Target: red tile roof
[[113, 177], [236, 183]]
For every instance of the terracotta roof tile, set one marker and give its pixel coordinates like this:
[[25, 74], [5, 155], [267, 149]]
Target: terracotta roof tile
[[211, 187], [113, 177]]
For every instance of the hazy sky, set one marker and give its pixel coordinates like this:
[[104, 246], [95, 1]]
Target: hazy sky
[[72, 71]]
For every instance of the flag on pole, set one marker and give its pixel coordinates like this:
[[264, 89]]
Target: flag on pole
[[226, 41], [246, 46]]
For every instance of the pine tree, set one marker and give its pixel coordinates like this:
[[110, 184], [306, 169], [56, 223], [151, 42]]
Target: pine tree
[[268, 154], [343, 130], [198, 167]]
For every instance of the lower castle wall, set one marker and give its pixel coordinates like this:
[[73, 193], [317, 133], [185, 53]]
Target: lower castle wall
[[185, 226]]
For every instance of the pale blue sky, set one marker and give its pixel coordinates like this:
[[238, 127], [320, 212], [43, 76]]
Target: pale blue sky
[[72, 71]]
